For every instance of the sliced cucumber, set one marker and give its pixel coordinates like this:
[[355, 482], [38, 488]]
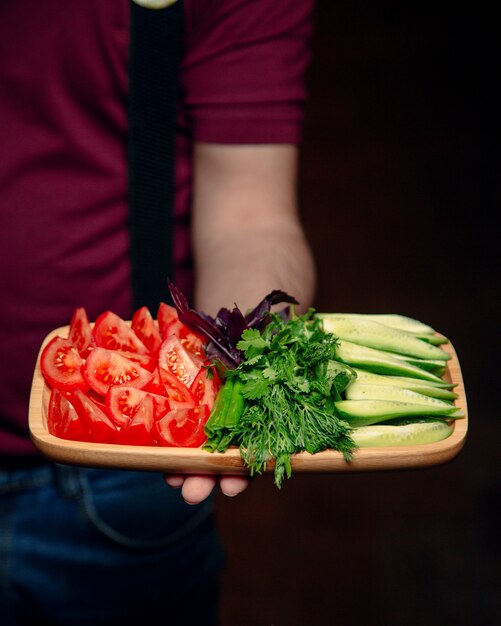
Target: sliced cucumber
[[430, 365], [363, 391], [427, 388], [399, 322], [371, 334], [367, 412], [436, 340], [441, 384], [380, 362], [407, 435]]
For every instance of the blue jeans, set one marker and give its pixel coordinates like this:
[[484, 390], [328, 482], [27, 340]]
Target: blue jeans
[[87, 546]]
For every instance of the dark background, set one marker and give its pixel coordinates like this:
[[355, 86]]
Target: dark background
[[398, 198]]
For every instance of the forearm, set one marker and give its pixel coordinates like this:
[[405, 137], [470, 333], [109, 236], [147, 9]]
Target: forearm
[[242, 272], [247, 234]]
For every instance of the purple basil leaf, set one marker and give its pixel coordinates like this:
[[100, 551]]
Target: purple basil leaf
[[231, 358], [255, 317], [203, 325], [222, 318], [285, 313], [200, 324], [233, 323]]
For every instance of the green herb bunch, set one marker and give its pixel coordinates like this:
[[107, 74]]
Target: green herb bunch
[[290, 382]]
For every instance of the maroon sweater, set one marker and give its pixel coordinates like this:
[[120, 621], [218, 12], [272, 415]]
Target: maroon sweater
[[63, 169]]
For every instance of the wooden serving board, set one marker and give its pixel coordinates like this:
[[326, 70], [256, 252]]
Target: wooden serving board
[[198, 461]]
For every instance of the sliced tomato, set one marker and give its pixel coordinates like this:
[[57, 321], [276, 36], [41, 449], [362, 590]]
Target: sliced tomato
[[174, 357], [123, 402], [170, 324], [99, 426], [205, 387], [63, 420], [183, 428], [193, 344], [62, 365], [156, 385], [178, 394], [148, 361], [105, 368], [80, 332], [139, 430], [168, 321], [146, 329], [113, 333], [97, 398]]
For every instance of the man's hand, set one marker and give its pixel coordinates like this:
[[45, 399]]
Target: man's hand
[[195, 489]]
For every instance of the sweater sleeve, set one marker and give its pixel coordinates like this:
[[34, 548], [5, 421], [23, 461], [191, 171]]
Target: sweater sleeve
[[244, 70]]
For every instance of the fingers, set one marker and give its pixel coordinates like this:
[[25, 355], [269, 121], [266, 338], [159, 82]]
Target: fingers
[[196, 489], [174, 480], [233, 485]]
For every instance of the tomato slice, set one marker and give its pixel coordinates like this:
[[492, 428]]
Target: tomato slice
[[139, 430], [168, 321], [156, 385], [80, 332], [148, 361], [183, 428], [62, 364], [99, 426], [105, 368], [178, 394], [204, 388], [113, 333], [193, 344], [123, 402], [146, 329], [174, 357], [170, 324], [62, 419], [97, 398]]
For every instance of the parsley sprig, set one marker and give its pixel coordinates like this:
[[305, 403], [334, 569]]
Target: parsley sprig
[[289, 385]]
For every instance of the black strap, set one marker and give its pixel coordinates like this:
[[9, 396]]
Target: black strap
[[156, 39]]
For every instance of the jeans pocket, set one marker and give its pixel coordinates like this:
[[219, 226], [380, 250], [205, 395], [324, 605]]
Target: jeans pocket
[[138, 510]]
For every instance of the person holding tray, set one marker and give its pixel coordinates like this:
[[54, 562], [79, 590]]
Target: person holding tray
[[89, 546]]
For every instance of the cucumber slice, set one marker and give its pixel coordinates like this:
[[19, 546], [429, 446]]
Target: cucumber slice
[[436, 340], [364, 391], [440, 384], [430, 365], [408, 435], [372, 334], [414, 384], [380, 362], [399, 322], [367, 412]]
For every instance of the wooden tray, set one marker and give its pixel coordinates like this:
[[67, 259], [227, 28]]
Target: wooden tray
[[196, 460]]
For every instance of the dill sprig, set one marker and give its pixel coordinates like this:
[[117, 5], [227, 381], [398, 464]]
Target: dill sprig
[[289, 387]]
